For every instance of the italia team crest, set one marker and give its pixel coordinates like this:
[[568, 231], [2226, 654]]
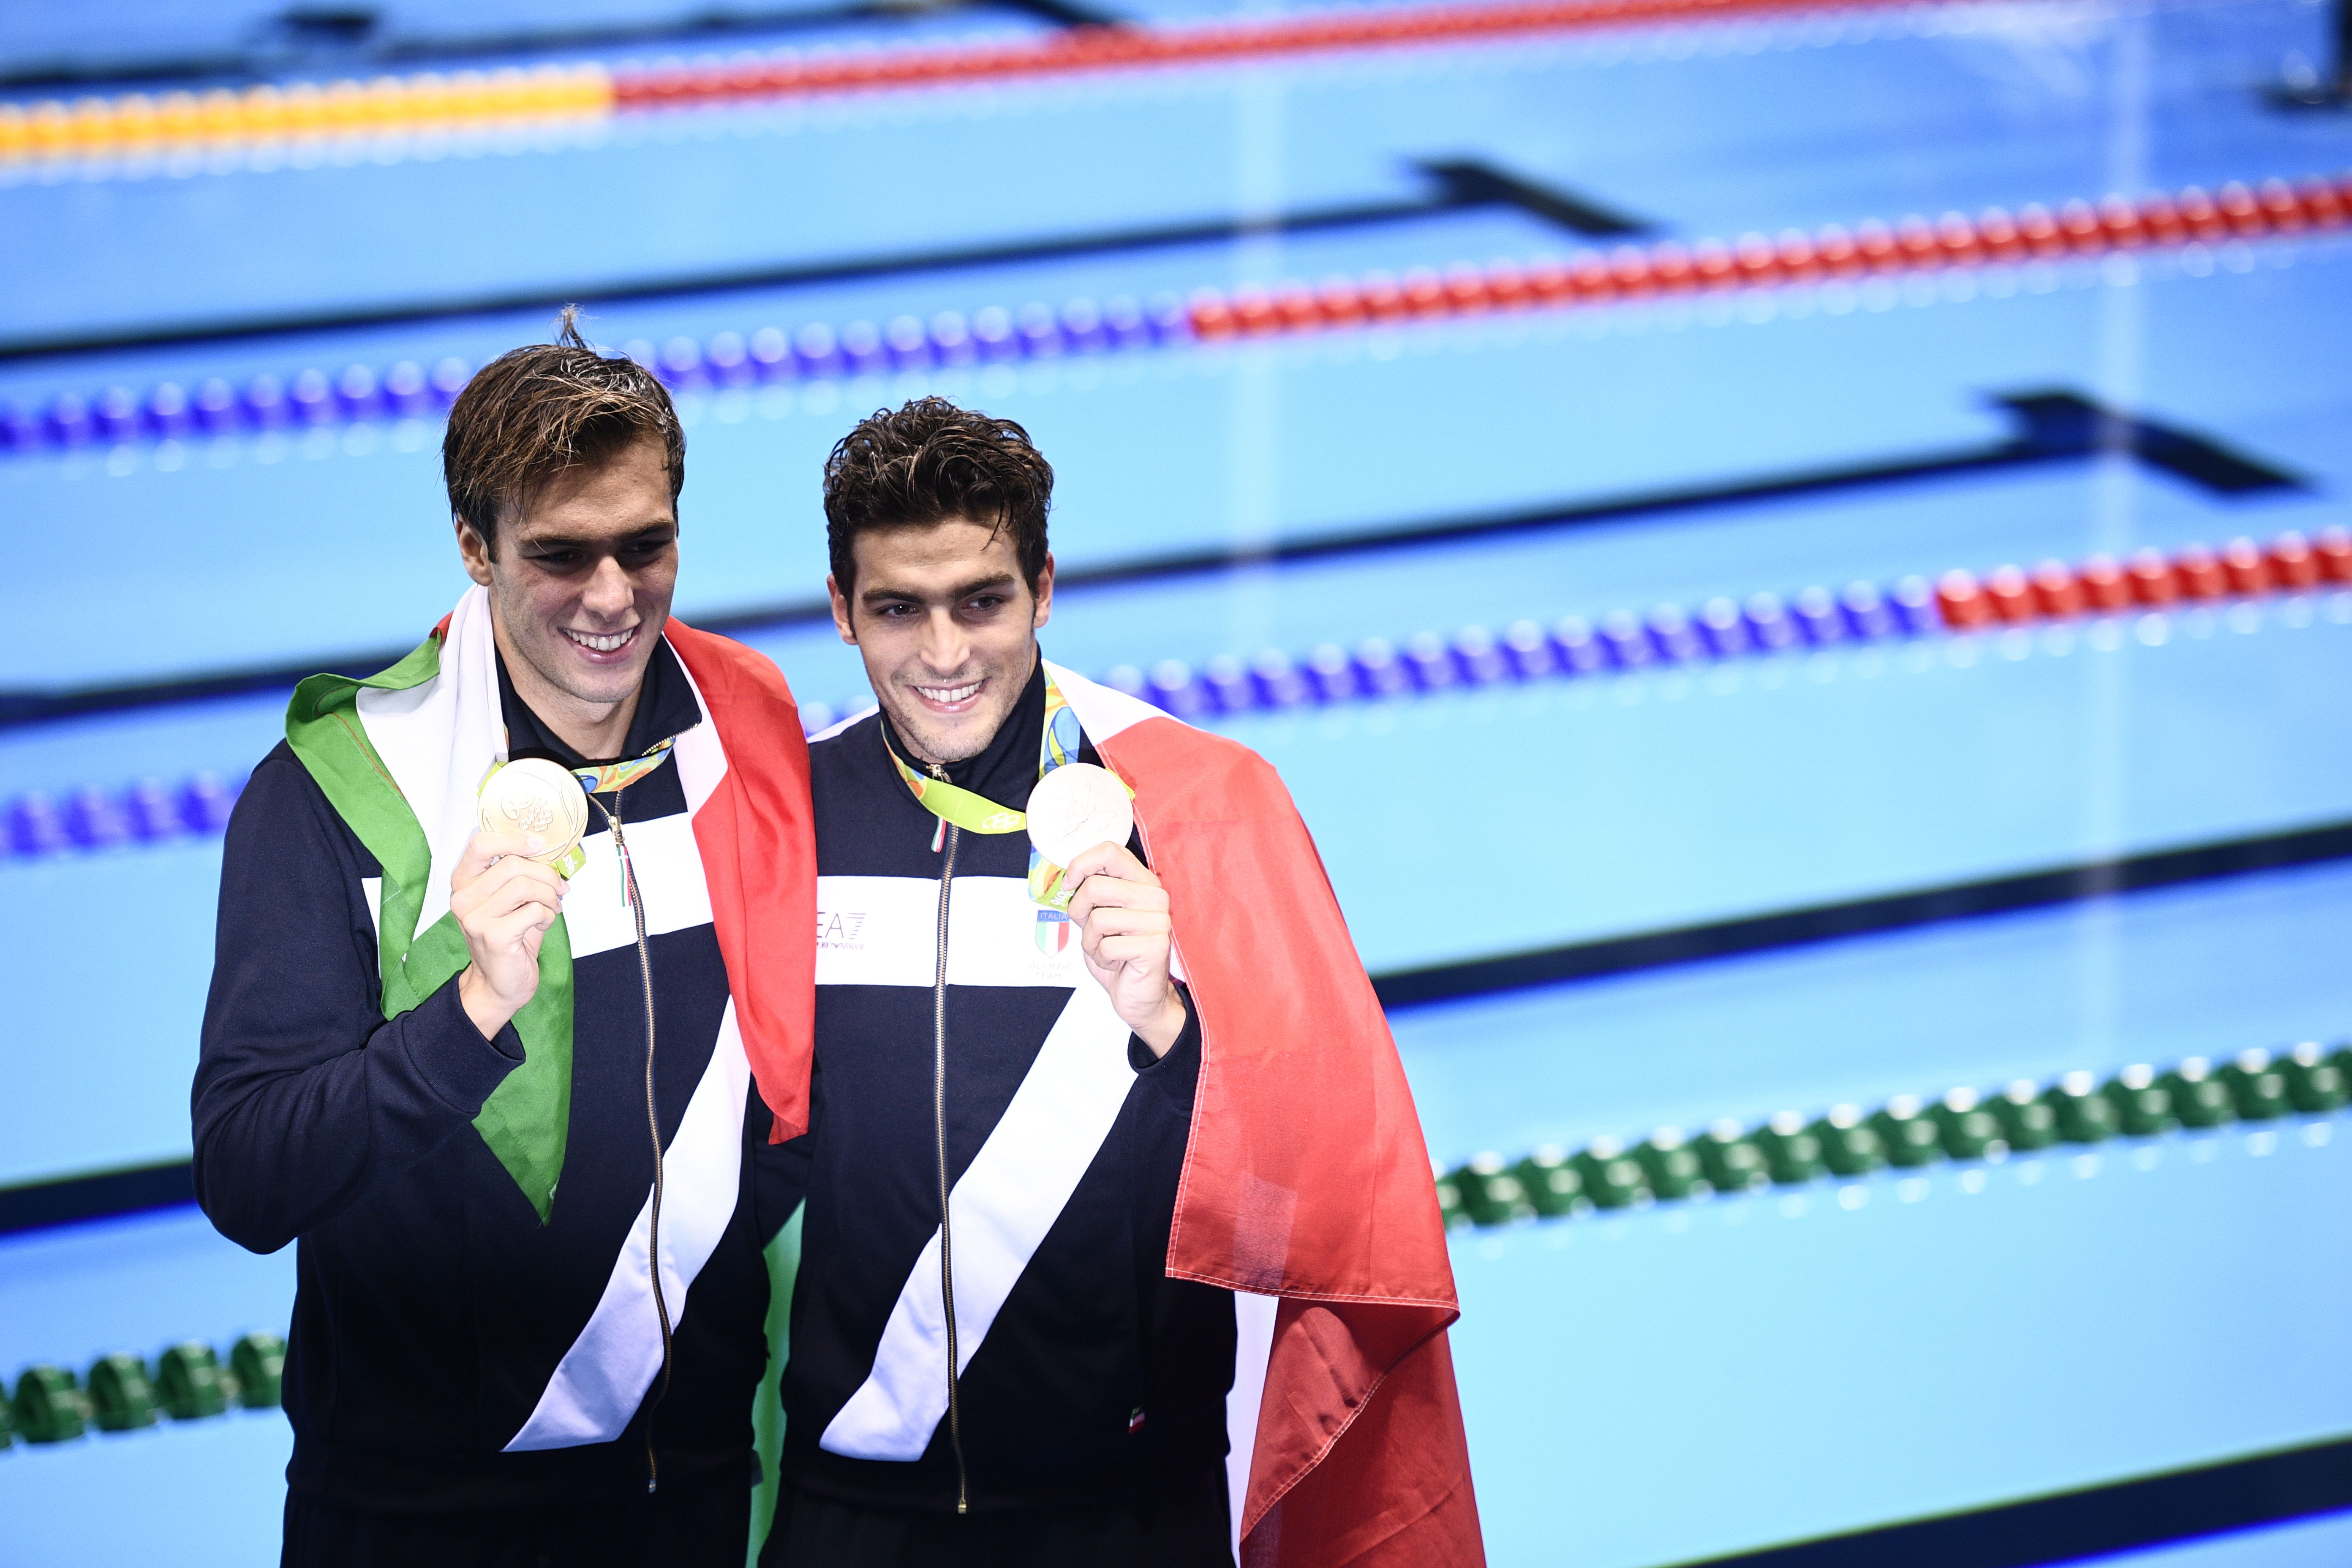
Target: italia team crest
[[1052, 932]]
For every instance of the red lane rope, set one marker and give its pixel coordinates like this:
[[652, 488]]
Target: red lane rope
[[42, 823], [2033, 235], [2150, 580], [1124, 47], [1871, 250]]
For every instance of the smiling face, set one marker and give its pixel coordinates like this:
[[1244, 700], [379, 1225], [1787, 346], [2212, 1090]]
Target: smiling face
[[948, 629], [580, 589]]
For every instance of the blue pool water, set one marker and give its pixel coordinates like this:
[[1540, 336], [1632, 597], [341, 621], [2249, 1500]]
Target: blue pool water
[[1655, 1387]]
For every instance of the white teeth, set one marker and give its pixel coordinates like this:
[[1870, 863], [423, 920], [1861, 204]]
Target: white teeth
[[601, 643], [949, 694]]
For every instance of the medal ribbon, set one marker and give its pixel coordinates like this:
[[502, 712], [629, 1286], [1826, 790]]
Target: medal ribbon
[[604, 778], [975, 813]]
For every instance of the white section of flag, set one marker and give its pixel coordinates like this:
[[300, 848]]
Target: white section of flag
[[1103, 710], [1252, 1346], [439, 739], [698, 756]]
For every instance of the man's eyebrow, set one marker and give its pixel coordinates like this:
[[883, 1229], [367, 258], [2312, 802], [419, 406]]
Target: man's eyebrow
[[577, 541], [880, 594]]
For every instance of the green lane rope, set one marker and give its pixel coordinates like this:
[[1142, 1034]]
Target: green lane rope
[[188, 1382], [1905, 1133], [123, 1393]]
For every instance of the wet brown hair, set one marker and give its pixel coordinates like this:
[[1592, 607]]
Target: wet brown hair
[[931, 461], [536, 411]]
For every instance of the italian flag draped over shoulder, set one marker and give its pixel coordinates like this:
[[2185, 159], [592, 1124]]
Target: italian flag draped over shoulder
[[1306, 1183], [402, 756]]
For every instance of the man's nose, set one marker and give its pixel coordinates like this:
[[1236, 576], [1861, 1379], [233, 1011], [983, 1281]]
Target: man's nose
[[609, 593], [945, 647]]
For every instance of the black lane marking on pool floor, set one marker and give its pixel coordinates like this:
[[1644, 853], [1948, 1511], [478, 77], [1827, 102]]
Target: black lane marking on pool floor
[[1457, 186], [40, 1205], [2056, 426], [1867, 917], [1471, 181], [2050, 426], [2332, 89], [2053, 426], [74, 1199], [2145, 1512]]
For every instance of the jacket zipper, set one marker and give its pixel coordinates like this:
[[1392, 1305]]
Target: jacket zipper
[[939, 1130], [634, 898]]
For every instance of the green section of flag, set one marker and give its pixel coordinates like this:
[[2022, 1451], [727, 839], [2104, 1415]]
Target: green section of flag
[[528, 1118], [783, 1255]]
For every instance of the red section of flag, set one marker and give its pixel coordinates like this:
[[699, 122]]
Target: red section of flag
[[1306, 1176], [758, 856]]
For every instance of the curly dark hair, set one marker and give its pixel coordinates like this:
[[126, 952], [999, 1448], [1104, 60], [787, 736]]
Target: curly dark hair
[[929, 462], [534, 412]]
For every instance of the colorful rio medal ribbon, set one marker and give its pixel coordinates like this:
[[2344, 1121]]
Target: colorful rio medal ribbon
[[1059, 753], [1079, 807], [532, 794], [956, 805]]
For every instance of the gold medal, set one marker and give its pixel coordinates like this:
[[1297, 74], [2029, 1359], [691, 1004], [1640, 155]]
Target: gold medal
[[1077, 806], [532, 795]]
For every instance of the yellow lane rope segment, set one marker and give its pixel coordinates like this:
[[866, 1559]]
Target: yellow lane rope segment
[[131, 124]]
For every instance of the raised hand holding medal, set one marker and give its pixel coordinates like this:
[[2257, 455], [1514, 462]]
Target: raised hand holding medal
[[1079, 819], [1126, 935], [532, 795], [507, 889]]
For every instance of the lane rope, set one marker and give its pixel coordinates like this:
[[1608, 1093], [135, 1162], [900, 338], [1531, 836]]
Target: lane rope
[[1847, 1143], [133, 124], [1996, 238], [43, 823], [1834, 256], [123, 1392]]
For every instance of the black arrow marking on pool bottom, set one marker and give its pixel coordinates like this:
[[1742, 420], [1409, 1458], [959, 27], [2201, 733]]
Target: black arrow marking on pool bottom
[[1456, 185], [2051, 427], [2068, 425]]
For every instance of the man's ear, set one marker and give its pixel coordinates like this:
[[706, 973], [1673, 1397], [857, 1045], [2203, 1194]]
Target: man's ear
[[473, 550], [840, 610], [1045, 594]]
